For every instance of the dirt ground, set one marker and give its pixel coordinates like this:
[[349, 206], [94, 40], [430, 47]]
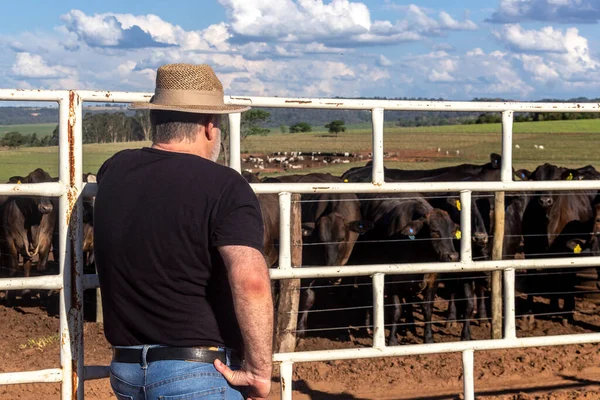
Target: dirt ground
[[30, 342]]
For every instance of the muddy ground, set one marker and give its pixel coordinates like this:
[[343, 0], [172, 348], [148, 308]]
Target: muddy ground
[[30, 342]]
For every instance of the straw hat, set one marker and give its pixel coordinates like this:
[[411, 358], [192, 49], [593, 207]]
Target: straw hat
[[188, 88]]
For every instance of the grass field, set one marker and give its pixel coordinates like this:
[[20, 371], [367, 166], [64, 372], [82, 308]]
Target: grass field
[[26, 129], [567, 143]]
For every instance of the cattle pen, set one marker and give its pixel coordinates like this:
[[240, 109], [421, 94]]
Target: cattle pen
[[71, 280]]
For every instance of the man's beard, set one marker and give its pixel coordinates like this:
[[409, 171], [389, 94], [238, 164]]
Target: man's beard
[[216, 149]]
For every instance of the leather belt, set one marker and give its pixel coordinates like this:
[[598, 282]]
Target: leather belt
[[197, 354]]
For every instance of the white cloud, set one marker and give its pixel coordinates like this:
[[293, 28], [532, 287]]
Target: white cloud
[[474, 74], [546, 39], [299, 20], [562, 55], [339, 23], [129, 31], [383, 61], [33, 66], [561, 11]]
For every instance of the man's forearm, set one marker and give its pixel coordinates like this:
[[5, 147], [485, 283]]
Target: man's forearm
[[251, 290], [254, 311]]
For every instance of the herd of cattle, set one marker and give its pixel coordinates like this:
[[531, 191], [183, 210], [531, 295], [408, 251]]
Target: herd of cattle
[[350, 229]]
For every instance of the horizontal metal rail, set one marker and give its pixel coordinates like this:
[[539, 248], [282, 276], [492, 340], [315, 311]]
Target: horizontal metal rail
[[408, 187], [423, 268], [50, 282], [49, 189], [42, 376], [353, 104], [434, 348]]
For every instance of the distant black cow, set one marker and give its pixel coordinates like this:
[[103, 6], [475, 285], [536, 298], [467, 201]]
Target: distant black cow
[[26, 226]]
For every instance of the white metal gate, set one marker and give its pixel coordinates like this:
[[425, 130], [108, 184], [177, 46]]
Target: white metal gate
[[71, 280]]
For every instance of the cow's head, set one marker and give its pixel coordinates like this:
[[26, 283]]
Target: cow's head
[[338, 234], [496, 160], [479, 224], [437, 226], [41, 203], [546, 172]]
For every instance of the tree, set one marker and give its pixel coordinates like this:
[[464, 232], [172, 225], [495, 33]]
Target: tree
[[143, 118], [13, 139], [250, 124], [300, 127], [283, 128], [33, 140], [336, 127]]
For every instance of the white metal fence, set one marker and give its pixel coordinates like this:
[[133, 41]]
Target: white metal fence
[[71, 280]]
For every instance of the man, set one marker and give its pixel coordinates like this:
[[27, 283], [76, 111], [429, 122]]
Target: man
[[178, 238]]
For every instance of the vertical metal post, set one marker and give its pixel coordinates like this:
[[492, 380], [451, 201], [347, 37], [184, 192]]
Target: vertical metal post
[[289, 289], [285, 380], [468, 380], [285, 246], [378, 173], [378, 311], [70, 246], [235, 161], [507, 140], [466, 253], [510, 330]]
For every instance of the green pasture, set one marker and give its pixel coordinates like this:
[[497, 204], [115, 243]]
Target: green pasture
[[40, 129], [566, 143]]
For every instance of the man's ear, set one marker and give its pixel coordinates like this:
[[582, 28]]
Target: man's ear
[[209, 130]]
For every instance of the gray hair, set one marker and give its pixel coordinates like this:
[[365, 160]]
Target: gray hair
[[175, 126]]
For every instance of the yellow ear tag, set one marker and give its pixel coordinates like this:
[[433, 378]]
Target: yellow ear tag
[[577, 249], [18, 182], [458, 234], [346, 180], [458, 204], [570, 177]]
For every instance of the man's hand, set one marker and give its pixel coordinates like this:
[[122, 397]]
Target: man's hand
[[258, 388]]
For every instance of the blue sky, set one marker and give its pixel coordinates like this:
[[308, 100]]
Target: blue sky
[[516, 49]]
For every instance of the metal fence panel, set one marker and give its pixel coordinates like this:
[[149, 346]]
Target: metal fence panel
[[71, 280]]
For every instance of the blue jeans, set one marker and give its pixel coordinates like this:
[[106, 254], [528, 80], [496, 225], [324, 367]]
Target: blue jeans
[[170, 380]]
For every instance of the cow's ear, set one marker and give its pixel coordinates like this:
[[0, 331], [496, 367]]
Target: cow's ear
[[360, 226], [16, 179], [576, 245], [454, 202], [523, 174], [496, 160], [571, 175], [412, 228], [308, 228]]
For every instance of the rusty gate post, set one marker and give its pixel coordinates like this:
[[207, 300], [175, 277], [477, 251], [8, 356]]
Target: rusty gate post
[[289, 289], [497, 275]]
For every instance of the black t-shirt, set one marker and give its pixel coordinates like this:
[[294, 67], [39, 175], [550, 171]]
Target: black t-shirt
[[158, 219]]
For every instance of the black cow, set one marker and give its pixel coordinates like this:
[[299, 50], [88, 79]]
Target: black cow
[[408, 229], [269, 207], [331, 224], [488, 172], [549, 222], [26, 227]]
